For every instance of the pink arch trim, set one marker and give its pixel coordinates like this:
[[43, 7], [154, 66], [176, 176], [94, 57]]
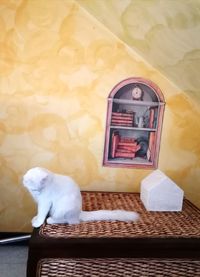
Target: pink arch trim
[[137, 80]]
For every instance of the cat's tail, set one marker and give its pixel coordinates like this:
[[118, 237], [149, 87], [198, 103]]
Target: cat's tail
[[107, 215]]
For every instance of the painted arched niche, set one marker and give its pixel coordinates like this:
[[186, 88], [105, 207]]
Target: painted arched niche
[[133, 124]]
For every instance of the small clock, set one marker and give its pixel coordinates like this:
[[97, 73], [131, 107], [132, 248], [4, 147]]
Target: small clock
[[137, 93]]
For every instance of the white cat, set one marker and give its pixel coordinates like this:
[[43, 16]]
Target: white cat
[[59, 197]]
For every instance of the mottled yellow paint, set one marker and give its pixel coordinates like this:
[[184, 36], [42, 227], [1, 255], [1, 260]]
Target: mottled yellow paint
[[57, 67], [165, 33]]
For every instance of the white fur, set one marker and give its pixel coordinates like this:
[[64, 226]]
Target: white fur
[[59, 198]]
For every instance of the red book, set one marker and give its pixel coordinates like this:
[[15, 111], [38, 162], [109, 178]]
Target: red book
[[126, 139], [151, 117], [121, 120], [129, 148], [122, 114], [124, 155], [122, 117], [115, 141], [150, 151], [122, 124], [128, 143], [119, 150]]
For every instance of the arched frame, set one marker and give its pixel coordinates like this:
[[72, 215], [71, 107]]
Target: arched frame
[[133, 124]]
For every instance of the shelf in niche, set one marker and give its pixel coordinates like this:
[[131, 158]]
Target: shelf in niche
[[132, 128], [136, 160], [132, 102]]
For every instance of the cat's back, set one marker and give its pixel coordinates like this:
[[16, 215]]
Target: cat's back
[[65, 183]]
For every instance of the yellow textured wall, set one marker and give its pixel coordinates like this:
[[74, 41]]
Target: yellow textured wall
[[57, 67], [164, 32]]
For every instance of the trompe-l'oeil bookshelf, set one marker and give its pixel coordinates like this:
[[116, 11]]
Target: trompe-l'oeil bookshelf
[[133, 125]]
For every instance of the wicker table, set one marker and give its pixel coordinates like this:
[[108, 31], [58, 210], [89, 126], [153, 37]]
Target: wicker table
[[159, 244]]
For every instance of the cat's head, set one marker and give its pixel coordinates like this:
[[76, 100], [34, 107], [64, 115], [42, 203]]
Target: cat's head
[[35, 179]]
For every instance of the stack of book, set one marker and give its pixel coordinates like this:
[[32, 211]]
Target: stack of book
[[122, 119], [123, 147]]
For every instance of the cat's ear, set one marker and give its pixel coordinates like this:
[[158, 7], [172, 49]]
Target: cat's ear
[[43, 178]]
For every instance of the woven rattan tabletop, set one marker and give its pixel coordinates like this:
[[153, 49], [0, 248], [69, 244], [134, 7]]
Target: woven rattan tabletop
[[162, 235], [184, 224]]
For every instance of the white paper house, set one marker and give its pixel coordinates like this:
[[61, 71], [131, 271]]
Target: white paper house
[[159, 193]]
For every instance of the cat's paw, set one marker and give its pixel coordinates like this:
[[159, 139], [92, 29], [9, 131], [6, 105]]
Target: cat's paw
[[50, 220], [36, 222]]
